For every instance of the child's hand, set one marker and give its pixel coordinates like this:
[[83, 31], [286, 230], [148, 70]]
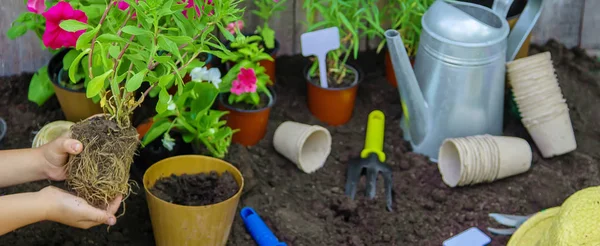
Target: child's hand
[[56, 154], [65, 208]]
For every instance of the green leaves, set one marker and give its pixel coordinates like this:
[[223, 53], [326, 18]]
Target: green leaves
[[135, 81], [114, 51], [40, 87], [97, 84], [158, 128], [73, 25], [75, 63], [83, 42], [168, 45], [133, 30]]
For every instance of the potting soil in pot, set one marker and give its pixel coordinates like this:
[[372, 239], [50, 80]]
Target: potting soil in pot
[[264, 101], [196, 189], [331, 79]]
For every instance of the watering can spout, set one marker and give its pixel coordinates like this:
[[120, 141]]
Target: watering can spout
[[414, 105]]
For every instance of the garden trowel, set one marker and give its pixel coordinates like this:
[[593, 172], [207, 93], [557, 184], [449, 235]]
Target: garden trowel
[[318, 43], [372, 159]]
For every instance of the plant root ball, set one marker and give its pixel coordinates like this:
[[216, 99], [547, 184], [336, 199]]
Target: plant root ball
[[101, 171]]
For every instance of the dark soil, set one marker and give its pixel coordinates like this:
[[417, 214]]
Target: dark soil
[[101, 170], [264, 102], [347, 81], [311, 209], [196, 189]]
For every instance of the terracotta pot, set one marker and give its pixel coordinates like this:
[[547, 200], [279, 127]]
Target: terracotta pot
[[252, 124], [333, 106], [389, 69], [209, 63], [174, 224], [143, 128], [73, 102]]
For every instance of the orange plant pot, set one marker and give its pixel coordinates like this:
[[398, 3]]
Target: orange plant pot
[[389, 69], [333, 106], [252, 124]]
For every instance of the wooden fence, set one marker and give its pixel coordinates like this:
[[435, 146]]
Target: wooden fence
[[571, 22]]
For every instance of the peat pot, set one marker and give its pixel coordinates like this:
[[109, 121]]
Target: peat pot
[[73, 102], [191, 225], [252, 123], [333, 106]]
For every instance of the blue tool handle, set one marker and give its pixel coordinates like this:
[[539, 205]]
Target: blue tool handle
[[258, 229]]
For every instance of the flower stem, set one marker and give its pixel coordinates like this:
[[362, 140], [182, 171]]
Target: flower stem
[[91, 55]]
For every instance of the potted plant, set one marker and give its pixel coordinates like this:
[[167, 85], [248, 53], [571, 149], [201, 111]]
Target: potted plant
[[189, 114], [403, 16], [244, 92], [125, 45], [334, 105], [266, 10], [49, 22]]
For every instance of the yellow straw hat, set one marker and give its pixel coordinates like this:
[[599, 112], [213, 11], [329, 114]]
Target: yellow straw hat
[[50, 132], [576, 222]]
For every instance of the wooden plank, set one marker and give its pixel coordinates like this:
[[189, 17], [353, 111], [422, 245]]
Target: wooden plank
[[591, 25], [559, 20], [299, 25], [284, 25], [24, 54]]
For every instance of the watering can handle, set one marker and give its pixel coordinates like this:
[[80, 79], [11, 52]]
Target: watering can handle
[[374, 139], [522, 28], [501, 7]]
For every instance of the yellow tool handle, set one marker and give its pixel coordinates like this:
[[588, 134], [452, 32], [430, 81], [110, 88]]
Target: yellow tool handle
[[374, 139]]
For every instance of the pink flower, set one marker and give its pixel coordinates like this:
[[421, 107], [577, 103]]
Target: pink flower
[[36, 6], [231, 27], [122, 5], [245, 82], [55, 37], [190, 4]]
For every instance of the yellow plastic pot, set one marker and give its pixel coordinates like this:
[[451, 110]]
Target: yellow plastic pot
[[191, 225]]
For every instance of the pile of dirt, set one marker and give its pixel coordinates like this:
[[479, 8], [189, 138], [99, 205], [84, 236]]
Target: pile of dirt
[[304, 209]]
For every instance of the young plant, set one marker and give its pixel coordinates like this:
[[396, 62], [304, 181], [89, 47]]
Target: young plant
[[190, 114], [403, 16], [266, 10], [246, 79], [45, 19], [123, 53], [347, 16]]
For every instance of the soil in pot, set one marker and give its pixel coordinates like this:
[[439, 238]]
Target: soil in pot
[[264, 102], [347, 81], [101, 171], [196, 189]]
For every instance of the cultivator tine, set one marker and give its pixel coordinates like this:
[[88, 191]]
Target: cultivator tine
[[372, 172], [353, 176], [387, 178]]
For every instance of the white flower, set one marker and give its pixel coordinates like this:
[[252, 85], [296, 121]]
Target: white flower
[[168, 142], [214, 76], [198, 74], [171, 104]]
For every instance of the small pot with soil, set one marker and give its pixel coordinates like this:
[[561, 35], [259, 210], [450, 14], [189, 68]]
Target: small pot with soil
[[192, 199], [71, 97], [251, 121], [333, 105]]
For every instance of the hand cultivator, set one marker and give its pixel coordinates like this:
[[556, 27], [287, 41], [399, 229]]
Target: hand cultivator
[[372, 159]]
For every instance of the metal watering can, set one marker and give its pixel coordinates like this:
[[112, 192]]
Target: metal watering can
[[456, 88]]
